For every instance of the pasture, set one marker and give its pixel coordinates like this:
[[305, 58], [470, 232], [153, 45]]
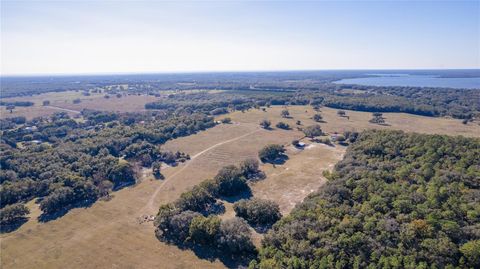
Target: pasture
[[108, 234]]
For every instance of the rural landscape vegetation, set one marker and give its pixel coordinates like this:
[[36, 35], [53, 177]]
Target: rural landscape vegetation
[[251, 169]]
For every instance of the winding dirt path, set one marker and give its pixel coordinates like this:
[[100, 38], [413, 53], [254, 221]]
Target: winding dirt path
[[150, 206]]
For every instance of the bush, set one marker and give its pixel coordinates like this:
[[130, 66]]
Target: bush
[[249, 168], [13, 213], [285, 113], [283, 125], [265, 124], [271, 152], [226, 120], [312, 131], [317, 117], [156, 169], [258, 211]]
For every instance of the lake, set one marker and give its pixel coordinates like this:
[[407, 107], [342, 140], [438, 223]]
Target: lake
[[414, 81]]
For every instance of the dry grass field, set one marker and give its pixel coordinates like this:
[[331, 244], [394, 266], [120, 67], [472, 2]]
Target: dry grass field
[[63, 101], [108, 235]]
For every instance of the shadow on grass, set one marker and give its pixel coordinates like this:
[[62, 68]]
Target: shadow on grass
[[212, 253], [216, 209], [159, 177], [8, 228], [45, 217], [244, 195], [228, 259]]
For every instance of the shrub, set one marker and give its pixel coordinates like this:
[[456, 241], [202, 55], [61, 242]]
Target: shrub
[[317, 117], [312, 131], [249, 168], [226, 120], [283, 125], [156, 169], [265, 124], [285, 113]]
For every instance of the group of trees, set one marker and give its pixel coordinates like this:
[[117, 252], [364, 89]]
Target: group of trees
[[78, 162], [191, 219], [396, 200]]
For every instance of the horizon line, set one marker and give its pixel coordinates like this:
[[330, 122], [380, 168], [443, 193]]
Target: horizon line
[[224, 71]]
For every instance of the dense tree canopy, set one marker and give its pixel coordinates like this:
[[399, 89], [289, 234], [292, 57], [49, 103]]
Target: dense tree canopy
[[258, 211], [396, 201]]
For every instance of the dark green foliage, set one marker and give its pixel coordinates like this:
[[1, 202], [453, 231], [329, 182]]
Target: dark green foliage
[[121, 174], [156, 169], [377, 118], [219, 111], [11, 214], [282, 125], [312, 131], [73, 190], [230, 181], [204, 230], [191, 218], [396, 201], [317, 117], [265, 124], [226, 120], [258, 211], [90, 152], [250, 168], [181, 223], [199, 199], [234, 235], [271, 152], [16, 103]]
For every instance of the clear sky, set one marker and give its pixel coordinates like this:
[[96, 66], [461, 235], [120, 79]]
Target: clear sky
[[63, 37]]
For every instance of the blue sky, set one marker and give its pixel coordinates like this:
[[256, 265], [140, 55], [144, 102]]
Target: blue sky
[[63, 37]]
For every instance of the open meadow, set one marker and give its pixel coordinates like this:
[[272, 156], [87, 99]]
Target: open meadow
[[109, 234]]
